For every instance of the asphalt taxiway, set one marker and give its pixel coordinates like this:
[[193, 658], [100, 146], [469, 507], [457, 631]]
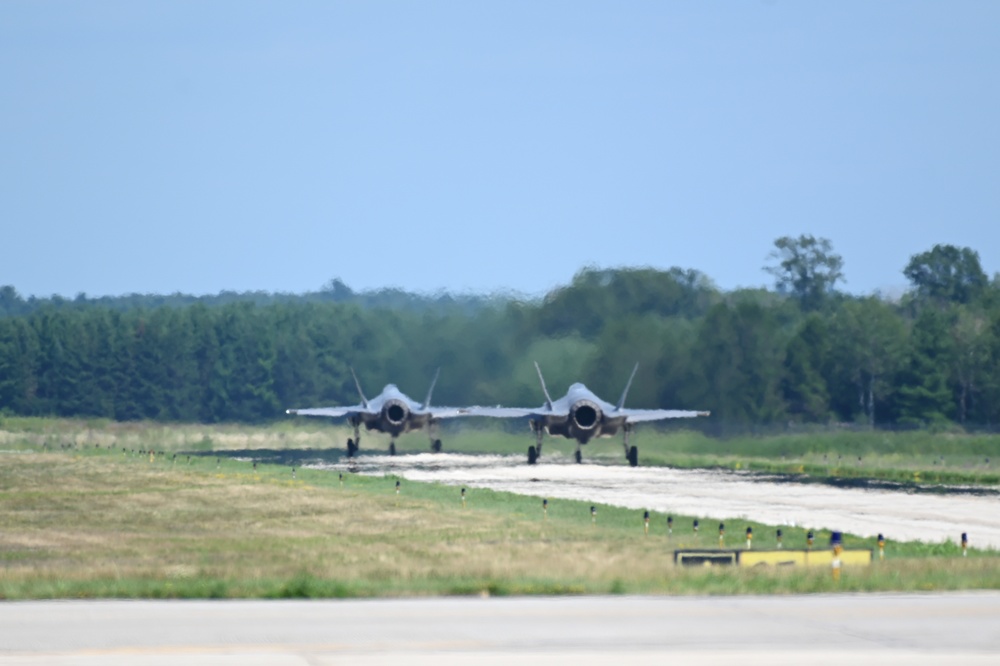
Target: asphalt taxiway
[[819, 629], [900, 514]]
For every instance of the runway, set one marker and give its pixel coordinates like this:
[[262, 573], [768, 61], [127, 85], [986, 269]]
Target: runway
[[842, 629], [899, 515]]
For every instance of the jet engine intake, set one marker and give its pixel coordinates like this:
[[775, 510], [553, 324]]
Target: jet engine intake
[[586, 415], [395, 412]]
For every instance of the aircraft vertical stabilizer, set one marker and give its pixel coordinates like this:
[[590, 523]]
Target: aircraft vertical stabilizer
[[364, 400], [427, 400], [628, 385], [548, 398]]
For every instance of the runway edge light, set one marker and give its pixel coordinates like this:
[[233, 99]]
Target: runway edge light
[[836, 541]]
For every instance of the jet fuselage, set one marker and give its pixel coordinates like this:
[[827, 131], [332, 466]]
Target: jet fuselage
[[397, 413], [588, 416]]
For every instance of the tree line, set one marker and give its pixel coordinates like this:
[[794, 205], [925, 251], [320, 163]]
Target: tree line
[[801, 353]]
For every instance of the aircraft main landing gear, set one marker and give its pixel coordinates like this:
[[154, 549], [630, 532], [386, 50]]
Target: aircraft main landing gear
[[535, 452], [578, 455], [392, 448], [354, 445], [631, 454], [432, 432]]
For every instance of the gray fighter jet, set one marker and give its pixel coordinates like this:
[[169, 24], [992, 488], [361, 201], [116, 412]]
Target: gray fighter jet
[[391, 412], [582, 416]]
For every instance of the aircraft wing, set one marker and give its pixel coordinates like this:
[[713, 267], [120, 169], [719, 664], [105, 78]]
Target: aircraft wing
[[332, 412], [444, 412], [513, 412], [640, 415]]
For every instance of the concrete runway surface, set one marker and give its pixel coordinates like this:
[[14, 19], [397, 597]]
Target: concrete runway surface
[[820, 629], [900, 515]]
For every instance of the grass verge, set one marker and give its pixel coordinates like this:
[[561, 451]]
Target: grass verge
[[914, 457], [96, 521]]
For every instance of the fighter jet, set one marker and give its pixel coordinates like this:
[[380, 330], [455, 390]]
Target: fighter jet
[[581, 415], [391, 411]]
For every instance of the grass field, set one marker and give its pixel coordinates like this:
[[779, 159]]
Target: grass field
[[80, 517], [906, 457]]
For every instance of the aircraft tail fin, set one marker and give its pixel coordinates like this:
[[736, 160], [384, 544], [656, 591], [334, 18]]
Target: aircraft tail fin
[[621, 400], [427, 400], [364, 400], [548, 398]]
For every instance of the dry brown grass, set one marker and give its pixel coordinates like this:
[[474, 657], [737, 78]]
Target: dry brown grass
[[90, 517], [144, 435]]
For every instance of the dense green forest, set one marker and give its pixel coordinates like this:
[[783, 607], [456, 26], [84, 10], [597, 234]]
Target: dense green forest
[[802, 353]]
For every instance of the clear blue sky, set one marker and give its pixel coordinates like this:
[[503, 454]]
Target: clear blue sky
[[202, 146]]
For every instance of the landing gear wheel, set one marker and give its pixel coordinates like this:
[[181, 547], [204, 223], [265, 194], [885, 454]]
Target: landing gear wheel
[[633, 457], [352, 448], [579, 457], [436, 446], [392, 449], [532, 455]]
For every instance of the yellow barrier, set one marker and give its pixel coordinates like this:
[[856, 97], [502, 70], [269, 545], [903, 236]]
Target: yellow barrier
[[810, 558], [784, 557]]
